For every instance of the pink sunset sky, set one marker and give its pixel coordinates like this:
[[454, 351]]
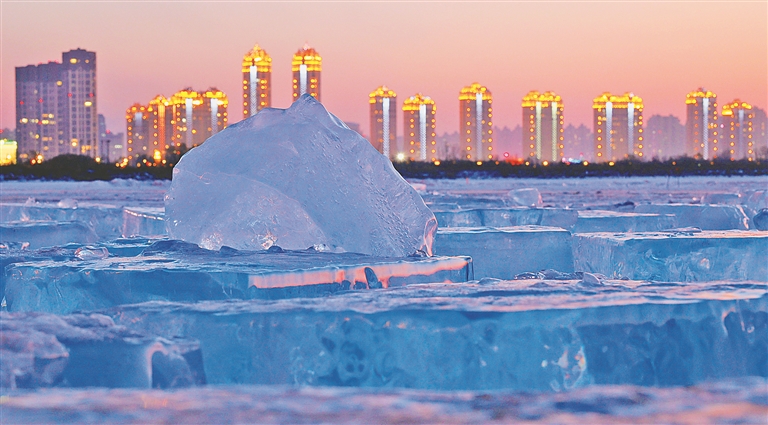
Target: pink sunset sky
[[657, 50]]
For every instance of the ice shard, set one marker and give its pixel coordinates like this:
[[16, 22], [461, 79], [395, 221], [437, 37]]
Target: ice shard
[[677, 255], [297, 178]]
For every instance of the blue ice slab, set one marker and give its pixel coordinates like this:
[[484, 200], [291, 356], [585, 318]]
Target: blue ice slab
[[503, 252], [676, 256], [503, 217], [144, 221], [705, 217], [613, 221], [106, 220], [177, 271], [39, 234], [531, 335], [88, 350], [733, 401]]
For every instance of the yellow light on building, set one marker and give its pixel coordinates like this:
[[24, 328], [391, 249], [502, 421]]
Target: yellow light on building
[[257, 81], [620, 119], [544, 114], [418, 113], [306, 67], [383, 120], [475, 105]]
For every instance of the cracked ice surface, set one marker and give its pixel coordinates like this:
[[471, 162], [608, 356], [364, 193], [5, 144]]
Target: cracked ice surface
[[525, 335], [301, 178]]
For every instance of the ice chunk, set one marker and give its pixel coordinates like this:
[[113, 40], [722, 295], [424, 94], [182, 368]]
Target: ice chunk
[[507, 251], [177, 271], [105, 219], [681, 256], [528, 197], [722, 198], [530, 335], [612, 221], [503, 217], [300, 178], [47, 233], [143, 221], [84, 350], [705, 217]]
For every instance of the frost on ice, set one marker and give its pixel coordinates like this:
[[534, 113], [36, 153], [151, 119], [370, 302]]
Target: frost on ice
[[295, 178]]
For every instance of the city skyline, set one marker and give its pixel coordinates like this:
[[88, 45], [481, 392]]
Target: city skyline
[[669, 57]]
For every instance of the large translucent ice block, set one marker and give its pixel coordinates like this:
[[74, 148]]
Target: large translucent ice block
[[674, 256], [47, 234], [172, 270], [503, 217], [106, 220], [504, 252], [740, 401], [612, 221], [89, 350], [143, 221], [705, 217], [528, 335]]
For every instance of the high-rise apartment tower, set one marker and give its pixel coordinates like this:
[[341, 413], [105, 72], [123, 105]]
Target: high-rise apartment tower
[[476, 129], [56, 107], [419, 128], [618, 126], [383, 104], [257, 81], [543, 121], [306, 66], [701, 127], [738, 132]]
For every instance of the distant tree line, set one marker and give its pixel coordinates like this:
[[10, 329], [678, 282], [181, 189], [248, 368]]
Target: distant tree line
[[83, 168]]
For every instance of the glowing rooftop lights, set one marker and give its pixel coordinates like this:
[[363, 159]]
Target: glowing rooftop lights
[[691, 98], [470, 92], [414, 102], [307, 56], [257, 57], [380, 92], [530, 99], [618, 101], [735, 105]]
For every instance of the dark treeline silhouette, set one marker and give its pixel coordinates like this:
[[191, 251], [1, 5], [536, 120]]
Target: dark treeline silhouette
[[82, 168]]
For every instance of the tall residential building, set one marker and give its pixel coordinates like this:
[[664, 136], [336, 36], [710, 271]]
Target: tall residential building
[[618, 124], [664, 137], [306, 67], [257, 81], [161, 139], [39, 102], [188, 118], [543, 119], [56, 106], [737, 139], [760, 126], [383, 103], [138, 126], [419, 128], [701, 127], [476, 128], [198, 115]]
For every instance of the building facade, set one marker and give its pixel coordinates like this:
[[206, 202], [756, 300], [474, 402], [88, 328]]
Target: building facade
[[306, 66], [257, 81], [56, 107], [664, 137], [383, 111], [476, 127], [543, 139], [185, 120], [738, 139], [701, 126], [420, 140], [618, 127], [138, 128]]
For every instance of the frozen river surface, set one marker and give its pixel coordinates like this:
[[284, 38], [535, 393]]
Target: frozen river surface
[[562, 300]]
